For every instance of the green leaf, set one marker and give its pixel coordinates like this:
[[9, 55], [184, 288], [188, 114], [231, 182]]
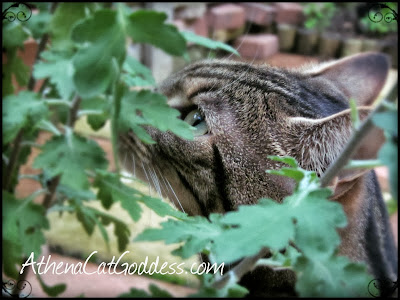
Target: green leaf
[[14, 66], [231, 289], [111, 190], [136, 74], [206, 42], [388, 154], [285, 159], [161, 208], [155, 292], [146, 26], [102, 50], [24, 222], [64, 18], [14, 35], [70, 156], [387, 121], [197, 233], [255, 234], [154, 111], [52, 291], [20, 111], [38, 24], [100, 104], [158, 293], [90, 217], [87, 218], [58, 67], [12, 243], [332, 277]]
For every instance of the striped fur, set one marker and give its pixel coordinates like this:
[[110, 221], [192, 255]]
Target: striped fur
[[256, 111]]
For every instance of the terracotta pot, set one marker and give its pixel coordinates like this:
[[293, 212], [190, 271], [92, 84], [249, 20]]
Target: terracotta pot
[[328, 45], [306, 41], [287, 35], [351, 46], [372, 45]]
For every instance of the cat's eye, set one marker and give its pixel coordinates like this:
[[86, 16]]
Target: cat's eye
[[196, 119]]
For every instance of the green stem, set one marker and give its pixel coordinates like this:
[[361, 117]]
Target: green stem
[[7, 179], [351, 146], [247, 264], [365, 164]]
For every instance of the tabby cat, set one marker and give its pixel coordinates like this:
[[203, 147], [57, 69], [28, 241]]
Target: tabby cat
[[243, 113]]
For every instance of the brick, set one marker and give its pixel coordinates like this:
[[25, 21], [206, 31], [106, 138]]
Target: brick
[[257, 46], [258, 13], [289, 13], [190, 11], [226, 16], [198, 26]]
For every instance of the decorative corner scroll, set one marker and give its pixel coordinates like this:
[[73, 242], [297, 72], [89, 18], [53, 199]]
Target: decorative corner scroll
[[19, 10]]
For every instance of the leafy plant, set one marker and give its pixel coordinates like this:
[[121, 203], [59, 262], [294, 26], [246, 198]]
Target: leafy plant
[[318, 15], [87, 72]]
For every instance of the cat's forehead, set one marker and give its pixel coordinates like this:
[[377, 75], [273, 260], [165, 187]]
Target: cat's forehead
[[213, 75]]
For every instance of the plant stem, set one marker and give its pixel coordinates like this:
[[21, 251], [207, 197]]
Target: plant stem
[[7, 179], [52, 187], [242, 268], [73, 112], [348, 151], [41, 47]]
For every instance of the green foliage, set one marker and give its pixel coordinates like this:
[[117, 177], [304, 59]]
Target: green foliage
[[146, 26], [154, 111], [231, 237], [87, 72], [380, 20], [52, 291], [155, 292], [318, 15], [23, 223], [388, 154], [58, 67], [22, 111], [70, 155]]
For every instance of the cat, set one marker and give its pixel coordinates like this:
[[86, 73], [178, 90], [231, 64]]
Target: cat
[[243, 113]]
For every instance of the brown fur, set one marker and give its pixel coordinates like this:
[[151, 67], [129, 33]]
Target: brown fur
[[253, 112]]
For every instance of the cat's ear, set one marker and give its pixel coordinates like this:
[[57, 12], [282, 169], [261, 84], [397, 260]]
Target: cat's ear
[[316, 143], [360, 77]]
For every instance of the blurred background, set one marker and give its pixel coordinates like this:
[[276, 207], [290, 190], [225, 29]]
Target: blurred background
[[284, 34]]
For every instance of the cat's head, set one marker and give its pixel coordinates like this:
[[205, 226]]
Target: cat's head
[[244, 113]]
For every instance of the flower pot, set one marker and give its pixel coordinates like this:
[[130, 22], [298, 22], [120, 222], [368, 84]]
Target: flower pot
[[372, 45], [328, 45], [306, 41], [351, 46], [287, 35]]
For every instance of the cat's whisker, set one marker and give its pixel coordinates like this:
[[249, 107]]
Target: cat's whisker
[[147, 177], [166, 187], [175, 195], [134, 165], [156, 182]]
